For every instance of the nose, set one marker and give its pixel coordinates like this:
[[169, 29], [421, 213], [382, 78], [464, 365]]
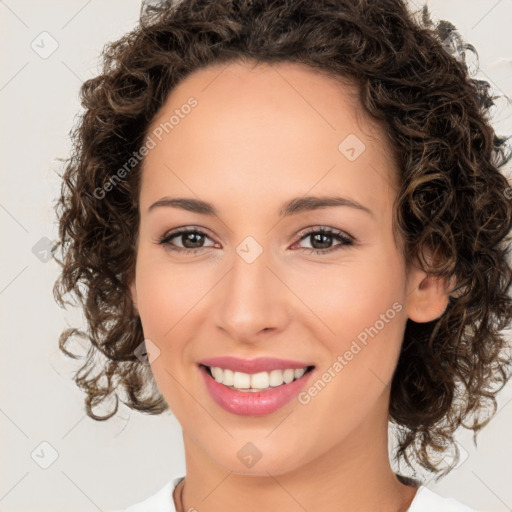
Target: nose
[[252, 300]]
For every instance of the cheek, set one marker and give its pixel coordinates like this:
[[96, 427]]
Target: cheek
[[165, 293], [366, 321], [348, 297], [362, 318], [165, 297]]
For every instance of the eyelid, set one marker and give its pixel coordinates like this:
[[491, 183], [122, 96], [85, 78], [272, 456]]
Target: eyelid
[[183, 230], [345, 239], [326, 229]]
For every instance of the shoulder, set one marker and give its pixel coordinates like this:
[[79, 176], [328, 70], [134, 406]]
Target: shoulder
[[429, 501], [160, 501]]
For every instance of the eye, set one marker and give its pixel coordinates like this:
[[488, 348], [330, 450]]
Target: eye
[[192, 240], [322, 237]]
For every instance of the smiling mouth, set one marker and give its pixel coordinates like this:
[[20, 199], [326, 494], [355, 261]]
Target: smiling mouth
[[256, 382]]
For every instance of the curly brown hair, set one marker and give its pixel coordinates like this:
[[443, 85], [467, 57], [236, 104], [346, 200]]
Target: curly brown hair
[[412, 76]]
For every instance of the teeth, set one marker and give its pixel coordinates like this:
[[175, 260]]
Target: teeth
[[228, 377], [240, 380], [259, 380], [255, 381]]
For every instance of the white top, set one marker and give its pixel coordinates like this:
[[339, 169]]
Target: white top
[[425, 500]]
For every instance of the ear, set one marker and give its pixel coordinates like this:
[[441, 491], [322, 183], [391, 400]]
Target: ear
[[427, 295]]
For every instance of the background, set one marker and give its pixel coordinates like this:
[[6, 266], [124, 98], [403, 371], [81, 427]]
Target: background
[[54, 457]]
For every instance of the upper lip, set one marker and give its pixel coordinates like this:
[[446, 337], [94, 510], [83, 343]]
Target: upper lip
[[260, 364]]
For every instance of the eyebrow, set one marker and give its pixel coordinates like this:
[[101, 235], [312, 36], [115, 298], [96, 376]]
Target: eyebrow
[[292, 207]]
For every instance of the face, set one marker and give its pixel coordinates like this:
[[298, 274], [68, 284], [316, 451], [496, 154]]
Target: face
[[257, 279]]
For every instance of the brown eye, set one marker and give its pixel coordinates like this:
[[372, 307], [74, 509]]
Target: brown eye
[[191, 240], [321, 240]]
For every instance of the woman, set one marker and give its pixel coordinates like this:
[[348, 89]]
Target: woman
[[286, 223]]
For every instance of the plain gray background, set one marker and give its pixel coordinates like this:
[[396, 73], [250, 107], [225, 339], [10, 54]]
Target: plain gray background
[[48, 49]]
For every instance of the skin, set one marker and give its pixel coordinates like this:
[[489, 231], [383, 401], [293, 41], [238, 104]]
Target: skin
[[260, 136]]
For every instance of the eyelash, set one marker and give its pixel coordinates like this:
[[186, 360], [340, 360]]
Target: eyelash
[[338, 235]]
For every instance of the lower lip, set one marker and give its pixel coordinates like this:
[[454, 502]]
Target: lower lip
[[249, 403]]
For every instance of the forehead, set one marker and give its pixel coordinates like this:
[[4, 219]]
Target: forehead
[[285, 121]]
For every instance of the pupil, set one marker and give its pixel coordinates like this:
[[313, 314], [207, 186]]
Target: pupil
[[318, 237], [189, 237], [196, 240]]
